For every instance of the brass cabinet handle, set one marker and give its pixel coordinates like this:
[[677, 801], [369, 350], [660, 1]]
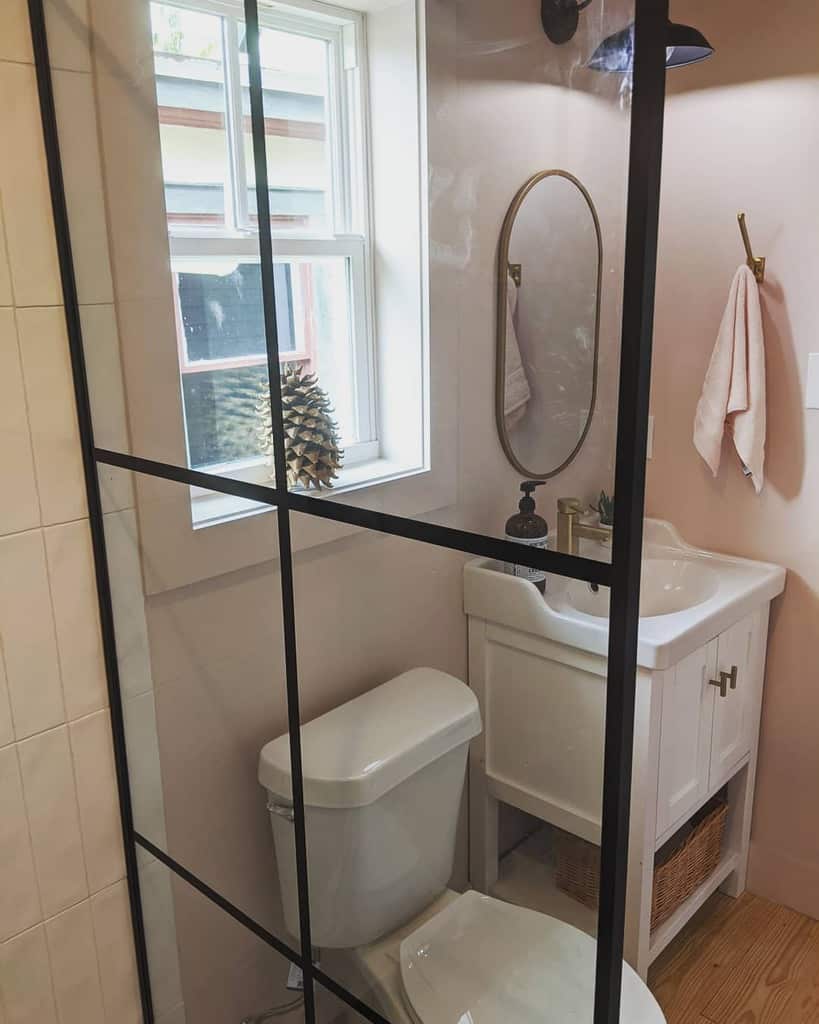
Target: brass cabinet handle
[[721, 684], [730, 677]]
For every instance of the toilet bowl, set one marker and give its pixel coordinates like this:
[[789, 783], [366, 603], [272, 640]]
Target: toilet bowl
[[469, 957], [383, 777]]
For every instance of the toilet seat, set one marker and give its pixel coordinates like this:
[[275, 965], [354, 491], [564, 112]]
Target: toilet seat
[[482, 960]]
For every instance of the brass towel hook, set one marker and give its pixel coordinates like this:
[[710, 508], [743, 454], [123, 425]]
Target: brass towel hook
[[756, 263]]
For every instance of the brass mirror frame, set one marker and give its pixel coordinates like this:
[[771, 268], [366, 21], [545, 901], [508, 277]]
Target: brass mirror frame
[[502, 298]]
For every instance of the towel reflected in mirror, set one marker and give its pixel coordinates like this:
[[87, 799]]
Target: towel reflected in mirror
[[517, 392]]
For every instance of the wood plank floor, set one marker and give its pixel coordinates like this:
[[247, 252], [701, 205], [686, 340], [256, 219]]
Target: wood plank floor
[[744, 961]]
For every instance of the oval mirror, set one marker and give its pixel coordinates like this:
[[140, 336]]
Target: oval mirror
[[549, 275]]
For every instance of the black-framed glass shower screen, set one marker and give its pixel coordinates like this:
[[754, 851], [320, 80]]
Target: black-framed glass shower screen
[[277, 227]]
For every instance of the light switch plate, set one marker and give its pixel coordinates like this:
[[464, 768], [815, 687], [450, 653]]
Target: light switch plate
[[812, 390]]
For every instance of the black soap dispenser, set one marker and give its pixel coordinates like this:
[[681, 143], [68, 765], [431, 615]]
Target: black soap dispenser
[[527, 527]]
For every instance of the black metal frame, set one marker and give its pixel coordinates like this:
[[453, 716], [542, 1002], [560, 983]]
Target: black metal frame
[[622, 575]]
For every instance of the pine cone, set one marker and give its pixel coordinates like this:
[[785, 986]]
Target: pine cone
[[311, 442]]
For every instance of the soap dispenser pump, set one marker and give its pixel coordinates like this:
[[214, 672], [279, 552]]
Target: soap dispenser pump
[[527, 527]]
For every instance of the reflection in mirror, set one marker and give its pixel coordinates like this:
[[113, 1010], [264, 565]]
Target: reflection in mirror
[[549, 276]]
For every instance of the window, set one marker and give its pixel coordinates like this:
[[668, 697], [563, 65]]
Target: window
[[315, 125]]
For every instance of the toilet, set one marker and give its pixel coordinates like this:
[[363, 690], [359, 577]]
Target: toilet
[[383, 777]]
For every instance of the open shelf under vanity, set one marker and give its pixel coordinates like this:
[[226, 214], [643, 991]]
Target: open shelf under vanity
[[526, 877]]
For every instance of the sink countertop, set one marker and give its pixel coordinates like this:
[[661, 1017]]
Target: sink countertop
[[736, 588]]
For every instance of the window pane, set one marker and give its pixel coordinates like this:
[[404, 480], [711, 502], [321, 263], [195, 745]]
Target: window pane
[[224, 361], [190, 95], [220, 414], [222, 314], [295, 93], [321, 303]]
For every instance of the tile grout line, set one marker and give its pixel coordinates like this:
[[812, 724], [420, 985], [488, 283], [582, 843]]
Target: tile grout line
[[106, 1009], [30, 838], [5, 669], [61, 344], [97, 951], [59, 305], [26, 63], [27, 405], [18, 61], [94, 613], [19, 347], [43, 526], [54, 625], [59, 725], [72, 906], [83, 839], [57, 1015]]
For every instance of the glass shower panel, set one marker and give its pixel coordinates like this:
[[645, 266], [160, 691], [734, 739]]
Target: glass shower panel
[[483, 378], [167, 263], [423, 889], [391, 210], [205, 966], [330, 1009], [201, 671], [448, 209]]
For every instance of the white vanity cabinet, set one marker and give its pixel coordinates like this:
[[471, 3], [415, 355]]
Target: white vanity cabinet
[[710, 706], [539, 672]]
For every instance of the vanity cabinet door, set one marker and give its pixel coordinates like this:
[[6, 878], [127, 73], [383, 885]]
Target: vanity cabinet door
[[685, 736], [734, 713]]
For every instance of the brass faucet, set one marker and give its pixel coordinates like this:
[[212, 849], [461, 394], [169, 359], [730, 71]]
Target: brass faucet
[[570, 529]]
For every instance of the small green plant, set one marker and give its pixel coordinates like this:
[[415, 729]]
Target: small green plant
[[605, 507]]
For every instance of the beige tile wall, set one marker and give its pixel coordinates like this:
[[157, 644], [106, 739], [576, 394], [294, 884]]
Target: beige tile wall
[[65, 946]]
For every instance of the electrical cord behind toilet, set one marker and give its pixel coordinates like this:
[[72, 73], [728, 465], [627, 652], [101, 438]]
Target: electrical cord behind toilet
[[274, 1011]]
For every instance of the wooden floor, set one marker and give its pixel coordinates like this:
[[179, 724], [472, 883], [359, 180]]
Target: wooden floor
[[744, 961]]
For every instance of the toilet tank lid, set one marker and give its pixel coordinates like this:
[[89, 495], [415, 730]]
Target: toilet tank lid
[[357, 752]]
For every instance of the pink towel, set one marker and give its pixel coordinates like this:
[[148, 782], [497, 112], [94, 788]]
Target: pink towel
[[516, 390], [734, 388]]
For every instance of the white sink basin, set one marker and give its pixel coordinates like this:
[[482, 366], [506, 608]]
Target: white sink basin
[[668, 585], [688, 596]]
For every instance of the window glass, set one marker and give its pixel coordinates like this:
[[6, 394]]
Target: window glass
[[222, 314], [223, 357], [190, 94], [220, 412], [295, 97], [321, 274]]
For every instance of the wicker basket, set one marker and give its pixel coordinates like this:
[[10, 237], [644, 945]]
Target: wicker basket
[[577, 865]]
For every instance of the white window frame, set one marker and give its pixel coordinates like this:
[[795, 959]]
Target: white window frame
[[349, 211]]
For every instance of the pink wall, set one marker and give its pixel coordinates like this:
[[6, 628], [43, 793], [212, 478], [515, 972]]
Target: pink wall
[[742, 132]]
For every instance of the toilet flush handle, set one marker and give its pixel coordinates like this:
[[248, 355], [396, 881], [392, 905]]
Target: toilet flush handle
[[283, 810]]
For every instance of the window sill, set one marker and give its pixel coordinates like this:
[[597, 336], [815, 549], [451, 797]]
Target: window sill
[[210, 508]]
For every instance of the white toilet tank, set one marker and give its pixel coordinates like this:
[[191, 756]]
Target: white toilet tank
[[383, 777]]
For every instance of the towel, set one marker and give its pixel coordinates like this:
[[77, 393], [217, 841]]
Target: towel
[[517, 392], [734, 388]]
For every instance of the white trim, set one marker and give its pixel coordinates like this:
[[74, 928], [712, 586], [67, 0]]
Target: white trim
[[240, 217], [424, 215], [246, 246], [256, 470], [212, 508]]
